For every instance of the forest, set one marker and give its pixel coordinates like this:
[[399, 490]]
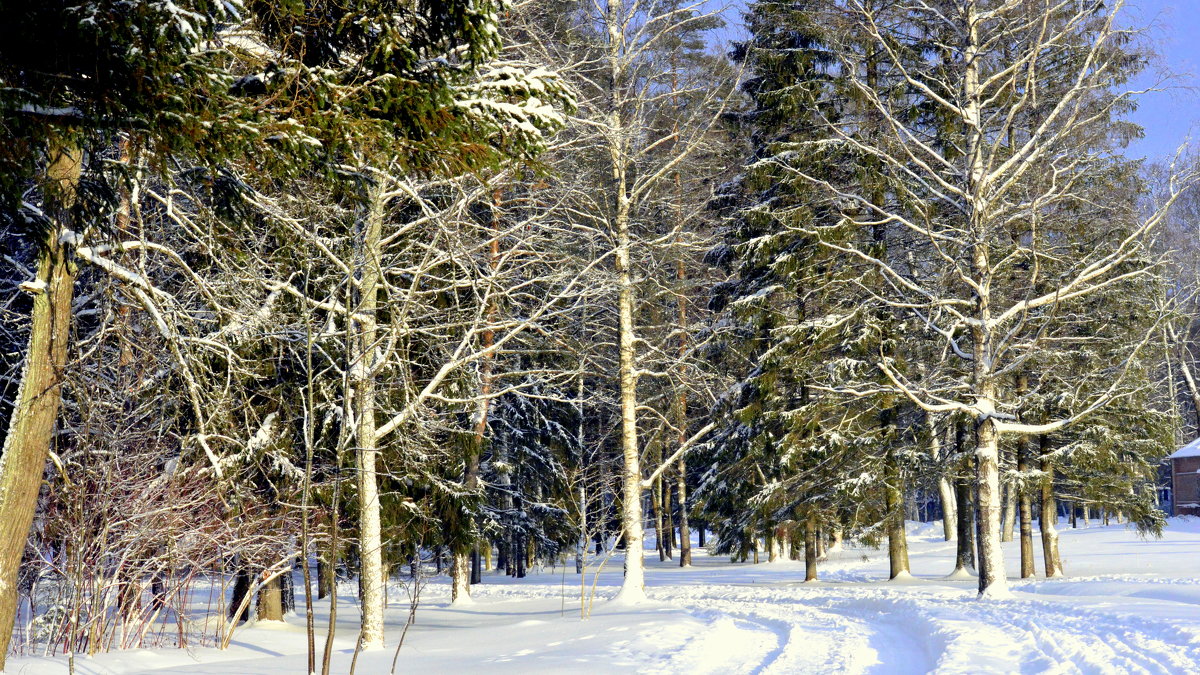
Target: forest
[[301, 298]]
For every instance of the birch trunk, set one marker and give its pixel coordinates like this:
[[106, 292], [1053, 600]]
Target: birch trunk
[[993, 581], [363, 375], [31, 428], [633, 586]]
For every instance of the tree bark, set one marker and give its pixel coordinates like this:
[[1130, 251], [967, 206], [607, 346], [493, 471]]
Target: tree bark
[[685, 531], [270, 601], [897, 539], [1008, 520], [31, 428], [810, 548], [945, 489], [668, 518], [993, 581], [241, 586], [1025, 509], [1049, 517], [634, 584], [363, 378], [656, 501], [965, 558]]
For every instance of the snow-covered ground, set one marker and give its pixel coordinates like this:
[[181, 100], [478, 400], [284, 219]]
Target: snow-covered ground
[[1129, 606]]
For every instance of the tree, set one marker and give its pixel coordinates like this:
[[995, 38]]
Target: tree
[[1019, 88]]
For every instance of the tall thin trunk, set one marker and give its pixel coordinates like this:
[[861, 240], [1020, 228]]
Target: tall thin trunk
[[1049, 517], [306, 496], [465, 570], [582, 545], [31, 428], [1009, 517], [945, 489], [633, 586], [668, 519], [685, 532], [993, 581], [363, 379], [656, 505], [1025, 509], [965, 558], [332, 560], [681, 401]]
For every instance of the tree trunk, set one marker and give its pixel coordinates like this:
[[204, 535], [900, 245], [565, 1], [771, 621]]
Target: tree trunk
[[656, 500], [1025, 509], [1049, 517], [270, 601], [465, 570], [287, 592], [668, 519], [945, 490], [633, 586], [685, 530], [363, 378], [1008, 521], [897, 539], [993, 581], [31, 428], [324, 575], [241, 586], [965, 559], [460, 576], [810, 548]]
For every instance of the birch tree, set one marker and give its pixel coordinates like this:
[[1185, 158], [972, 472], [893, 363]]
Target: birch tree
[[1029, 92], [619, 94]]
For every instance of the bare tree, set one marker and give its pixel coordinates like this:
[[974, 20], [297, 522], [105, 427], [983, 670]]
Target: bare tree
[[978, 205]]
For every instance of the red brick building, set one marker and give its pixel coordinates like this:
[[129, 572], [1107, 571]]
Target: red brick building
[[1185, 479]]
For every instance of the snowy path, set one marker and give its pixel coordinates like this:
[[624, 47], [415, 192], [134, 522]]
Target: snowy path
[[1133, 607]]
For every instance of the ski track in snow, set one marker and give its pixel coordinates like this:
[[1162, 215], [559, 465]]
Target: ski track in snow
[[824, 628], [1133, 608]]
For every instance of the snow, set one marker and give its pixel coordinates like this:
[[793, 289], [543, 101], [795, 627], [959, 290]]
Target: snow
[[1130, 605], [1190, 450]]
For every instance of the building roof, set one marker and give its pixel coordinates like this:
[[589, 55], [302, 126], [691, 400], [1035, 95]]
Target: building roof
[[1190, 450]]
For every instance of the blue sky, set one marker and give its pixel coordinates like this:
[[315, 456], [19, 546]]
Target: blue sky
[[1169, 117]]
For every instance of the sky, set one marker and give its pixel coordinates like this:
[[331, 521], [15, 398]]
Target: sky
[[1168, 117]]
